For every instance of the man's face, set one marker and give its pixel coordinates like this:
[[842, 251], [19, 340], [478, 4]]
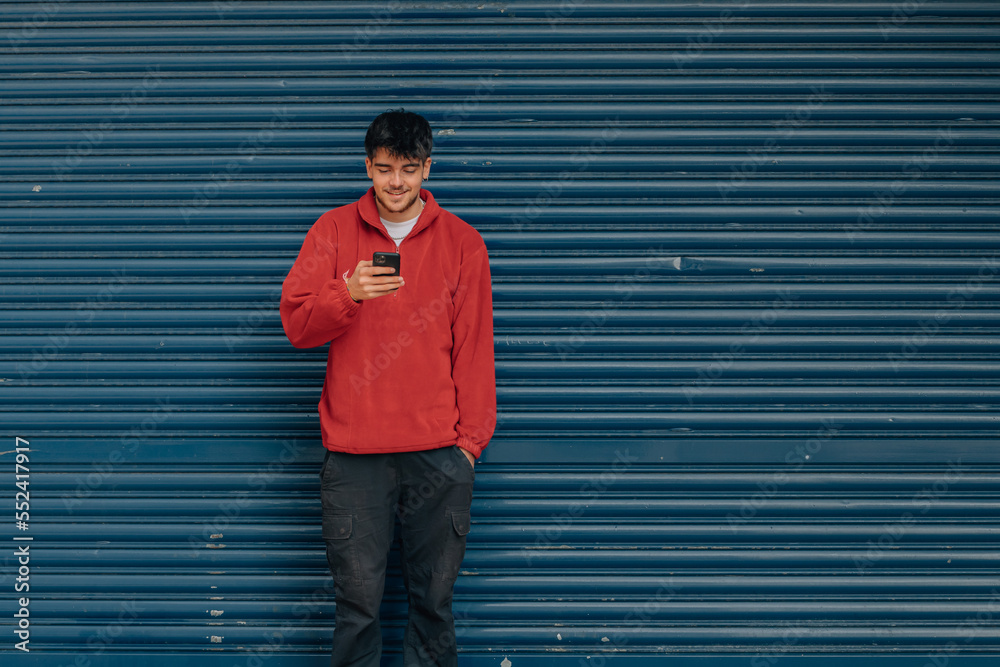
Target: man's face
[[397, 183]]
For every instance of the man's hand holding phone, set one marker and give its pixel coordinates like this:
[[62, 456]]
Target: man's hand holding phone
[[370, 282]]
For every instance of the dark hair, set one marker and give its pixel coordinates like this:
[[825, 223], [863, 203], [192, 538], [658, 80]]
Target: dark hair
[[402, 133]]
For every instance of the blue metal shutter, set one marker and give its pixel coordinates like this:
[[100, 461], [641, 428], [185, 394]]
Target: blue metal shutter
[[745, 274]]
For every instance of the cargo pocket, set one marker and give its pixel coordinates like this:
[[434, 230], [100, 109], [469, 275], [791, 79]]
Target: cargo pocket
[[453, 547], [340, 548], [337, 527], [461, 521]]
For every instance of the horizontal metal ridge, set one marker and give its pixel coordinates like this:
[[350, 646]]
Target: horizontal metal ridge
[[240, 322], [500, 481], [572, 451], [802, 86], [964, 345], [531, 243], [772, 32], [510, 12], [617, 138], [839, 165], [626, 423], [193, 195], [706, 394], [946, 494], [690, 164], [938, 513], [541, 547], [533, 58], [780, 217], [547, 656], [908, 539], [837, 368], [126, 265], [584, 639], [722, 559], [477, 611], [569, 292], [590, 584], [798, 45]]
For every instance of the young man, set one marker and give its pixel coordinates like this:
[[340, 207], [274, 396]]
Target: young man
[[409, 400]]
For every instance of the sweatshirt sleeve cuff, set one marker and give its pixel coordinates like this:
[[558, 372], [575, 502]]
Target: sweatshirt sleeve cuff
[[470, 446], [344, 296]]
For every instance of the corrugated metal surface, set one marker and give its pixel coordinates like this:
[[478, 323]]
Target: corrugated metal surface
[[746, 289]]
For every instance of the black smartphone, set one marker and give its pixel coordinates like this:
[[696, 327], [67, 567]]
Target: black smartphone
[[390, 259]]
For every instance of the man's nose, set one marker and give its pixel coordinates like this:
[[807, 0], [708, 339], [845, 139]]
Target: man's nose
[[396, 179]]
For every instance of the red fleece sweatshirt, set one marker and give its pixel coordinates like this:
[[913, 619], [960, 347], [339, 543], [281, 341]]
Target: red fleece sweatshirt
[[408, 371]]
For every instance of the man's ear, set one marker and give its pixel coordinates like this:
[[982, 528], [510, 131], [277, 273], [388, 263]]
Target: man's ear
[[427, 168], [368, 166]]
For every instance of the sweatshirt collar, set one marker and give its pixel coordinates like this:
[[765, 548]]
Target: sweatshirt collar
[[368, 211]]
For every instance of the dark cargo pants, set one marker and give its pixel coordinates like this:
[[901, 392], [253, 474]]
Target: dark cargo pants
[[431, 492]]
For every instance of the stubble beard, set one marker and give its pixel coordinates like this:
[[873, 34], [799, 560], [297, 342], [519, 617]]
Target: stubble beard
[[404, 205]]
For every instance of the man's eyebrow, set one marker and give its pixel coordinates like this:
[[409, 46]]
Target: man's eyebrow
[[386, 164]]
